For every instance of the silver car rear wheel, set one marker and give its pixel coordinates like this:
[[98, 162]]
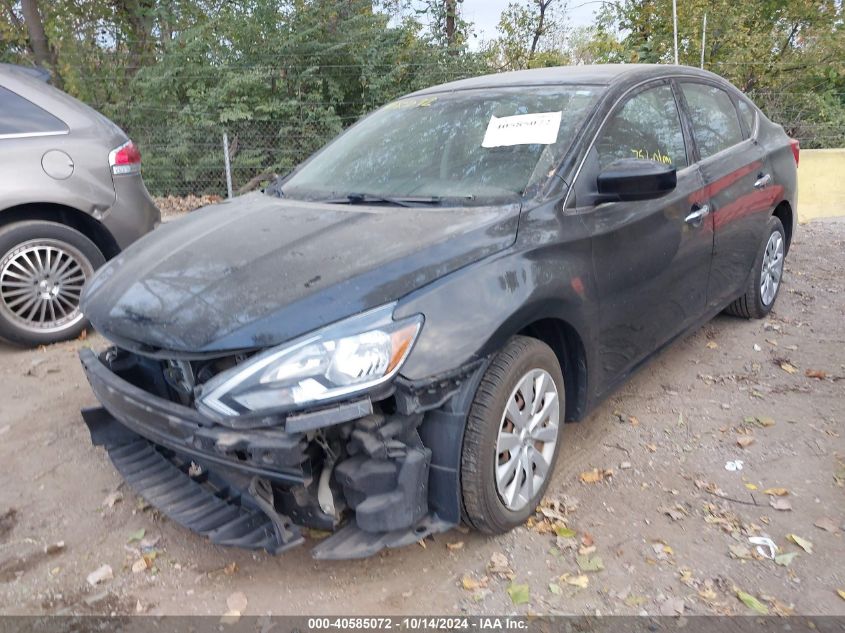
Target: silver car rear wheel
[[41, 282], [772, 269]]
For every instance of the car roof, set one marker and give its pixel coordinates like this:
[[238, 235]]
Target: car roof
[[589, 74], [30, 84]]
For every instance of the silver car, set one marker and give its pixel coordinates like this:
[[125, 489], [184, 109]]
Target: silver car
[[71, 197]]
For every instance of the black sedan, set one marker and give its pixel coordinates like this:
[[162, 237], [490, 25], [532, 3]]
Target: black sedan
[[387, 341]]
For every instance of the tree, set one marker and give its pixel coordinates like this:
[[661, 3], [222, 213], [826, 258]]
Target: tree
[[530, 34], [786, 54]]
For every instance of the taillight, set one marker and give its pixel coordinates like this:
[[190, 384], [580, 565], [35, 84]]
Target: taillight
[[793, 142], [125, 159]]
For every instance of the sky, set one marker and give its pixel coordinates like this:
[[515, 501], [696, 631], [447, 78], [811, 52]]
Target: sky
[[484, 14]]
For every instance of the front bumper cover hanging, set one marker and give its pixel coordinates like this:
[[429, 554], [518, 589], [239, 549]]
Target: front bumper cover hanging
[[252, 488]]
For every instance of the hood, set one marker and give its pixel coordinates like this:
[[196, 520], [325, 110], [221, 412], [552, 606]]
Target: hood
[[257, 271]]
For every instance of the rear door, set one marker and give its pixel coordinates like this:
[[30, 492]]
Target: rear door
[[651, 257], [739, 187]]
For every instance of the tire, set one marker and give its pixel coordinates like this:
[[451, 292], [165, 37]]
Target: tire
[[484, 508], [752, 305], [43, 266]]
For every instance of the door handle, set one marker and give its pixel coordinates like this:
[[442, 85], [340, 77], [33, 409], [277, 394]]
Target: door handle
[[699, 212], [763, 181]]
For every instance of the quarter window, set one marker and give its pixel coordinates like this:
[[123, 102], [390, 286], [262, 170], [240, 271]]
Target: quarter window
[[648, 126], [714, 119], [20, 116], [746, 113]]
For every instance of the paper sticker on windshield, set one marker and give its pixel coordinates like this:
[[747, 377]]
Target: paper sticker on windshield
[[522, 129]]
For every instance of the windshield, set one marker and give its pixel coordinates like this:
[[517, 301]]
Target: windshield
[[474, 146]]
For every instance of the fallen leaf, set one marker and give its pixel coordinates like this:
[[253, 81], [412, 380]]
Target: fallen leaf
[[712, 345], [455, 546], [564, 532], [136, 535], [780, 504], [589, 563], [804, 544], [676, 514], [776, 492], [765, 422], [555, 589], [781, 609], [841, 593], [750, 487], [519, 593], [789, 368], [816, 373], [825, 523], [112, 499], [577, 581], [633, 420], [785, 559], [587, 540], [708, 594], [499, 565], [595, 475], [752, 603], [99, 575], [139, 565], [744, 441], [471, 584], [651, 447]]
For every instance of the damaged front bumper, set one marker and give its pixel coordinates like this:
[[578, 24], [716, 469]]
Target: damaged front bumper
[[365, 479]]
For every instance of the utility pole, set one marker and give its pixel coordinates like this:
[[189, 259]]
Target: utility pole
[[703, 39], [675, 27]]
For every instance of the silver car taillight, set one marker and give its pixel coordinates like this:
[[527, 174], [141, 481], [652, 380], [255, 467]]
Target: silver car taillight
[[125, 159]]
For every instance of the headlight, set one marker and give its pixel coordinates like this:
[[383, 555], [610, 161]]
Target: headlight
[[350, 356]]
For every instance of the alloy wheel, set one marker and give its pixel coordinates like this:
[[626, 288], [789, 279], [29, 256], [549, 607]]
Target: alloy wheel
[[40, 284], [527, 437], [772, 270]]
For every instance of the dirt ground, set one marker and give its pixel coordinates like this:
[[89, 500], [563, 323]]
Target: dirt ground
[[664, 529]]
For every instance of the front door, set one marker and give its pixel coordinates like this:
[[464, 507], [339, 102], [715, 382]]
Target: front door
[[651, 257]]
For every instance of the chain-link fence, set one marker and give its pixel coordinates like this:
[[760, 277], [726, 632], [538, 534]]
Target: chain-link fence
[[182, 159], [193, 159]]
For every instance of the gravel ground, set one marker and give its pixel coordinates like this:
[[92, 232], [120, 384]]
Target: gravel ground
[[642, 515]]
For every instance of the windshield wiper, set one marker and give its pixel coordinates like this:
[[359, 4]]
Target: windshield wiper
[[399, 201]]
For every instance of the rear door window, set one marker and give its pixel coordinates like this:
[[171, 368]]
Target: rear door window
[[714, 119], [21, 116], [647, 126]]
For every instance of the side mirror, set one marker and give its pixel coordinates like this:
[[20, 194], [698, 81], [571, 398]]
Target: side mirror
[[636, 179]]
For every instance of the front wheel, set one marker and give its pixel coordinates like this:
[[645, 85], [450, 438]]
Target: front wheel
[[765, 281], [511, 440], [43, 267]]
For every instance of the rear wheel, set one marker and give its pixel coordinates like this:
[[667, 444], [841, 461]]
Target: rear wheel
[[511, 439], [43, 267], [765, 281]]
